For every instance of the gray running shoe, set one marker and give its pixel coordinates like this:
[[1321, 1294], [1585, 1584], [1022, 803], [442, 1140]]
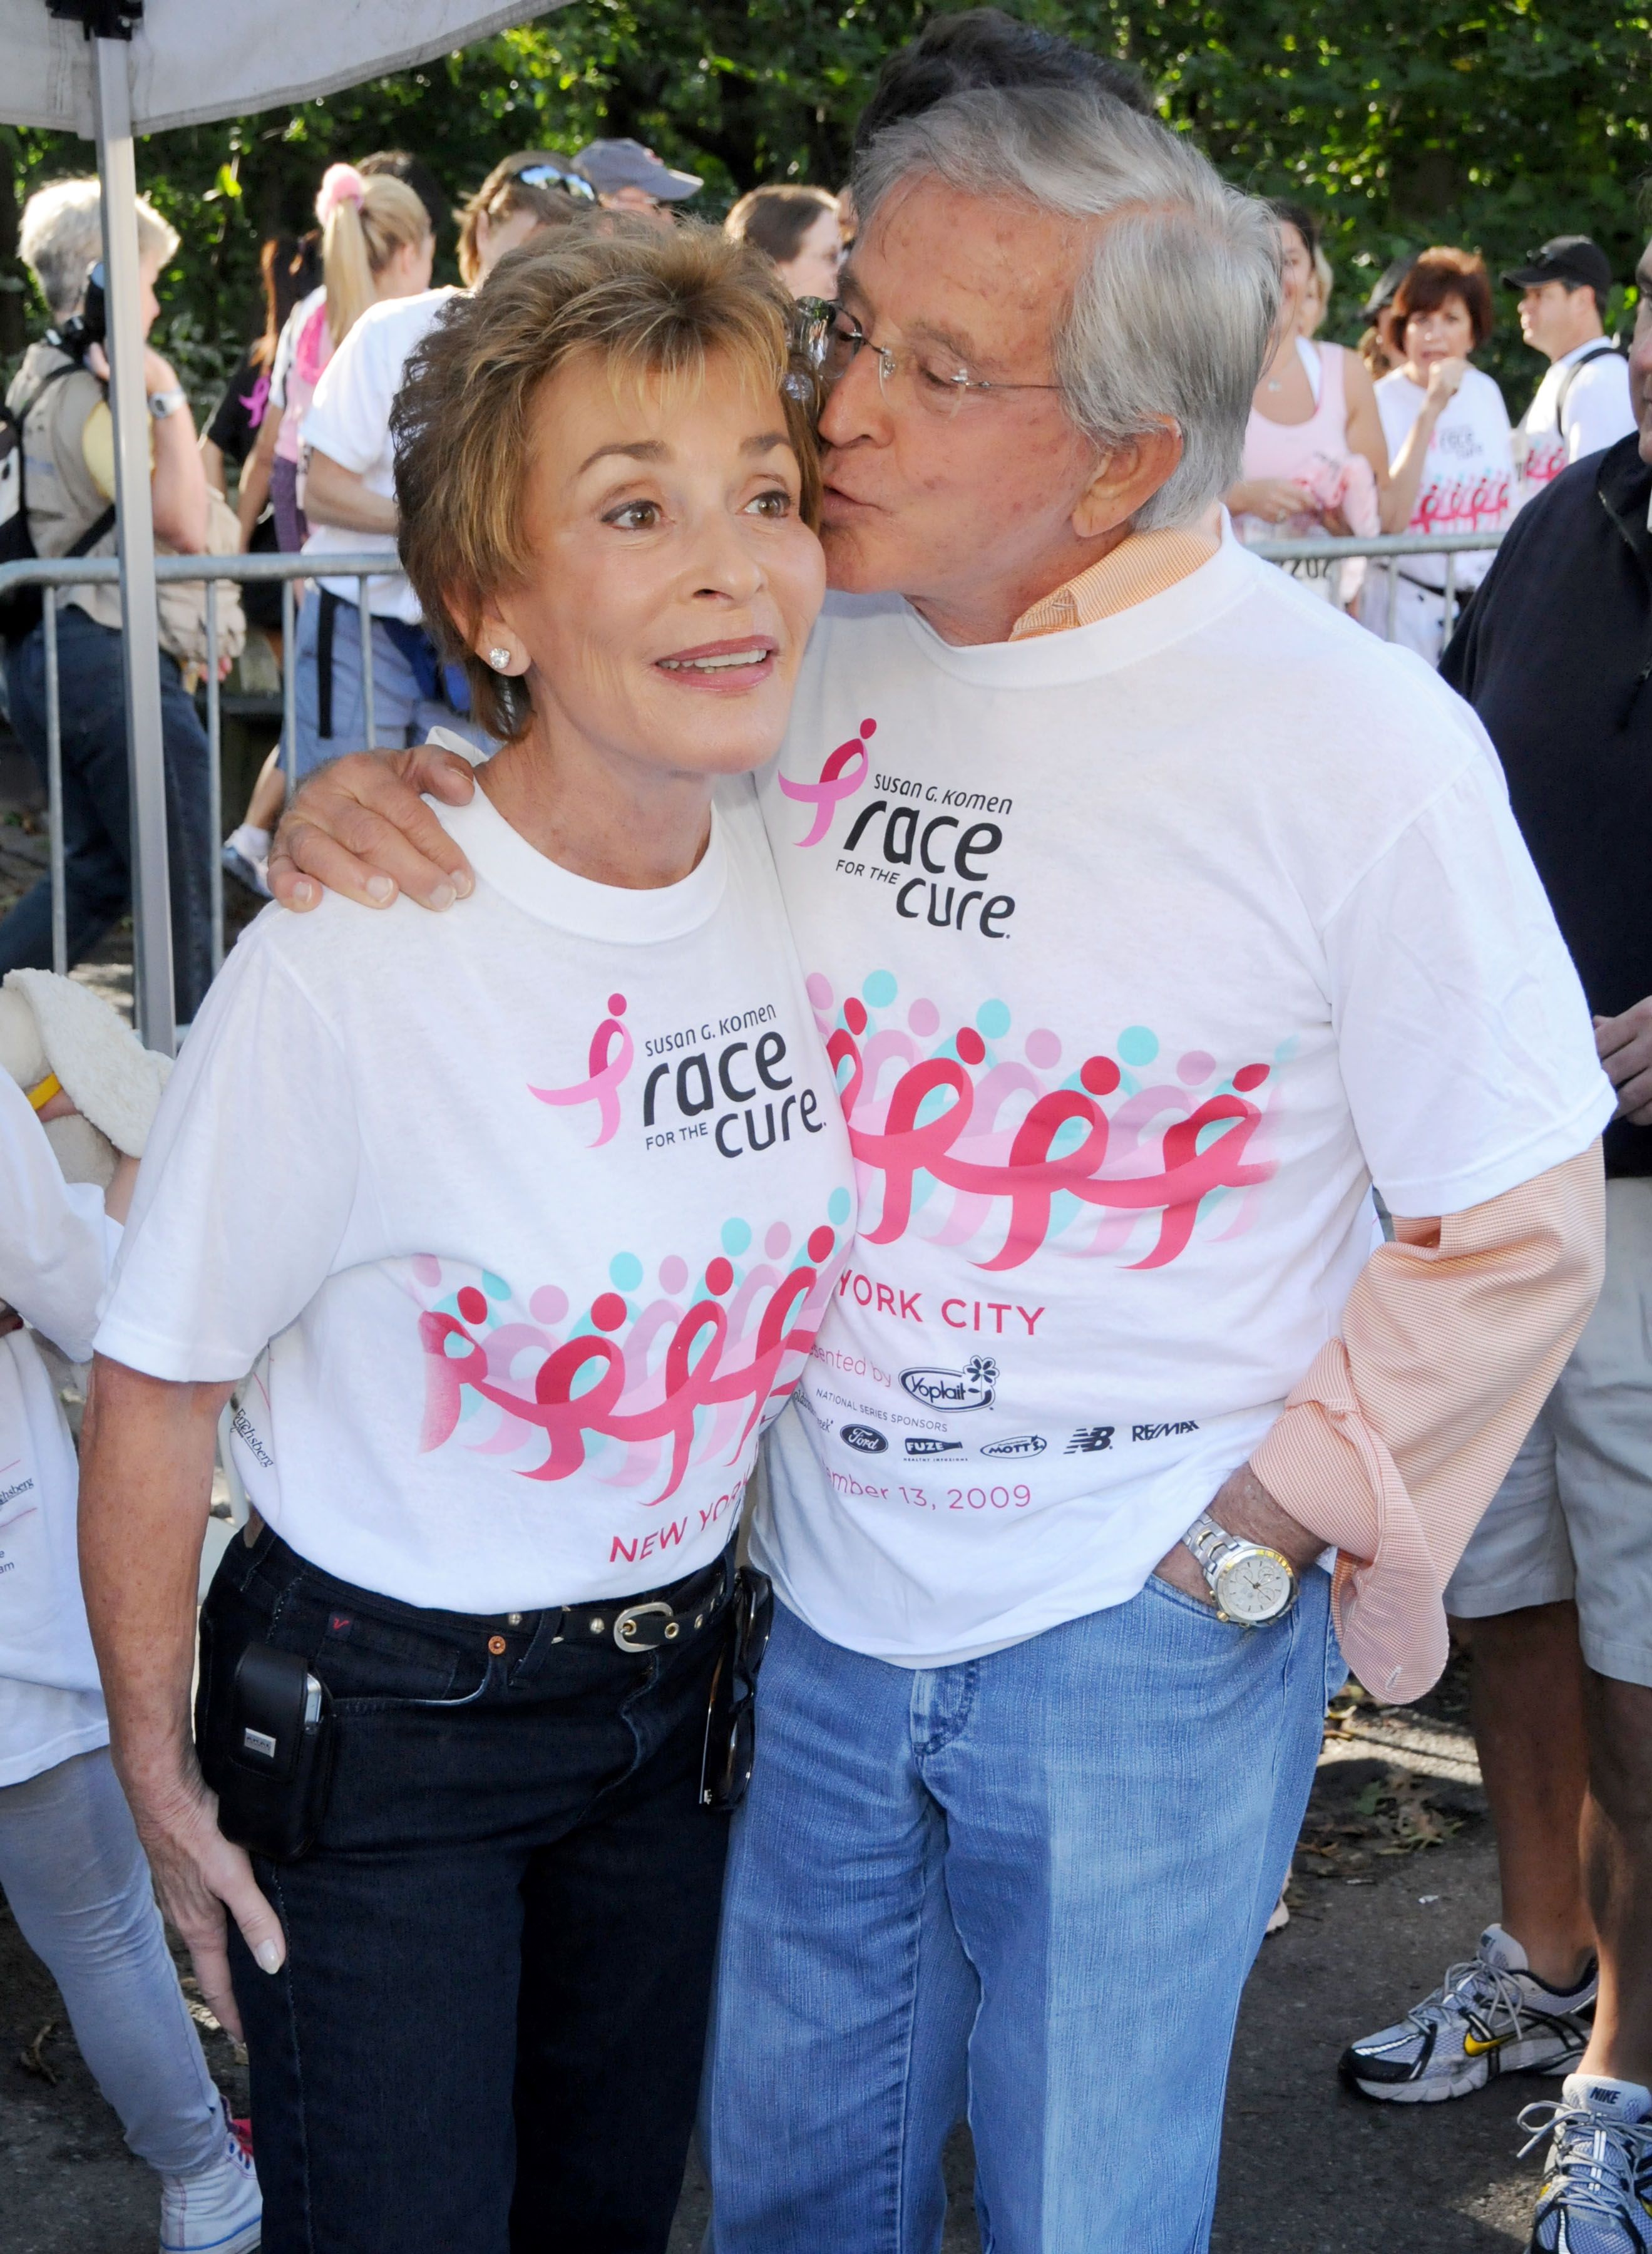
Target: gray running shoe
[[1490, 2016], [1596, 2195]]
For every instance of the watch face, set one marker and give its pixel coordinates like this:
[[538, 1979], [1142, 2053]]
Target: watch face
[[1255, 1588]]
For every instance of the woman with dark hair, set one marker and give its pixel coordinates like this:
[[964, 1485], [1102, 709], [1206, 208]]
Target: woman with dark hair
[[799, 230], [1315, 464], [1451, 453]]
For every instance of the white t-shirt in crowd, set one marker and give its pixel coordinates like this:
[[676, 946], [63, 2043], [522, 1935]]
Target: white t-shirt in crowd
[[56, 1246], [1596, 415], [536, 1205], [1468, 473], [349, 419], [1143, 950]]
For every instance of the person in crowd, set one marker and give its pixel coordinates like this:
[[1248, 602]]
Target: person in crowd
[[71, 1867], [1450, 454], [1315, 463], [982, 48], [1316, 296], [531, 190], [799, 229], [413, 172], [1554, 1592], [628, 177], [1052, 1642], [1372, 346], [60, 393], [501, 1440], [1582, 406]]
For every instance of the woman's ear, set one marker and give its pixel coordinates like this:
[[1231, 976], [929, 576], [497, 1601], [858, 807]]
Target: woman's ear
[[1126, 479], [497, 643]]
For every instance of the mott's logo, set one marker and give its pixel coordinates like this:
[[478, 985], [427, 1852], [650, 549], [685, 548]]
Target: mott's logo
[[973, 1387], [1025, 1444]]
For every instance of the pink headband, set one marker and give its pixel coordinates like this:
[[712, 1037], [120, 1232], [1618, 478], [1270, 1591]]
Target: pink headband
[[340, 183]]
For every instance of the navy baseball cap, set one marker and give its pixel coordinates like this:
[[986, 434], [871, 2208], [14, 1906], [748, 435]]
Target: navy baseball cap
[[1569, 258]]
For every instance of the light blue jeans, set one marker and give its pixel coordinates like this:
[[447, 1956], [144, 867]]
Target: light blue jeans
[[403, 714], [1028, 1886]]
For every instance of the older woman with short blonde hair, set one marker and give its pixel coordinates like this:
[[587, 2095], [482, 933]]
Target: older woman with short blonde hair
[[566, 1190]]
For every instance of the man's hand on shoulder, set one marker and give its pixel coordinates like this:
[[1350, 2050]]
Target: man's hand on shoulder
[[361, 827], [1245, 1507], [1624, 1046]]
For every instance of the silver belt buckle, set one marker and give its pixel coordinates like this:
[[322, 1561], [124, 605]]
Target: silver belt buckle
[[624, 1627]]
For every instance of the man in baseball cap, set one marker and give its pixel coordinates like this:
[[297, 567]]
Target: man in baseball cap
[[627, 177], [1582, 404]]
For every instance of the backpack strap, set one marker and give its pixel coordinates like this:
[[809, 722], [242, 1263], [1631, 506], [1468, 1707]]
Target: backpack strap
[[100, 525], [1601, 352]]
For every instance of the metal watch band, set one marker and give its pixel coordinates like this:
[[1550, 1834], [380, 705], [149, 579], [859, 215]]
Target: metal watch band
[[163, 403]]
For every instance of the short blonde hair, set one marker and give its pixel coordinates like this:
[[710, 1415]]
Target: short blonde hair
[[646, 302], [61, 239]]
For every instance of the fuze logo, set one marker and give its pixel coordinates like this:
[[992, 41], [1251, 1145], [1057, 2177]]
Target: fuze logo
[[866, 1437], [1025, 1444], [972, 1387], [925, 1446]]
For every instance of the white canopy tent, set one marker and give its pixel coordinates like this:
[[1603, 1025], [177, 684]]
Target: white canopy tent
[[107, 69]]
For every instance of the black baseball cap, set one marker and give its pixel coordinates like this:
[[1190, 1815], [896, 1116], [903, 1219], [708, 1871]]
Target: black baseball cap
[[1569, 258], [1387, 285]]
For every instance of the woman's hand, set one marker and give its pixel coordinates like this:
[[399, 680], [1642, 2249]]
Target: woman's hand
[[1445, 381], [361, 827], [1274, 499], [198, 1875]]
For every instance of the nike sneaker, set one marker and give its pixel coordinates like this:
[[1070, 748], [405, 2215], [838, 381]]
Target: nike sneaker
[[1490, 2016], [1596, 2195]]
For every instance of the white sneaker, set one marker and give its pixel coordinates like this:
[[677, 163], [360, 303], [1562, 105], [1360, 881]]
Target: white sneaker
[[219, 2210], [1490, 2016], [1596, 2196]]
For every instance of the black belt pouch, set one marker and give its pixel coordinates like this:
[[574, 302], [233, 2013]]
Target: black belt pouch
[[265, 1741]]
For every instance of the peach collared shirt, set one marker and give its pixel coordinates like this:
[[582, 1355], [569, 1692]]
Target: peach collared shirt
[[1391, 1446]]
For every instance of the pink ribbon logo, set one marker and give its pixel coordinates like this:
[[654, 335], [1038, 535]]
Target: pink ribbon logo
[[841, 777], [610, 1060]]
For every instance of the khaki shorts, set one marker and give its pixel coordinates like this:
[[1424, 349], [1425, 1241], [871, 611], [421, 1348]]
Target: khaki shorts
[[1574, 1516]]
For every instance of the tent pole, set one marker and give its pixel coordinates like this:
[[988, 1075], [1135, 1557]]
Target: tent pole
[[151, 917]]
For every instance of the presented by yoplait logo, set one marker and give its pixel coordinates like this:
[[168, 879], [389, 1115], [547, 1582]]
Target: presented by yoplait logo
[[641, 1383], [610, 1060], [842, 774], [963, 1143]]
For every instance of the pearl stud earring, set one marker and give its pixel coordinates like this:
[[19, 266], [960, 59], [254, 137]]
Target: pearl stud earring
[[500, 660]]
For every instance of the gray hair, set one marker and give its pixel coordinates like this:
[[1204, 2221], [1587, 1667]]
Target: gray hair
[[1173, 308], [61, 240]]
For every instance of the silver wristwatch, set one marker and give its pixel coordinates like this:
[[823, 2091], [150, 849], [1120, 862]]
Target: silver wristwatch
[[1248, 1583], [164, 403]]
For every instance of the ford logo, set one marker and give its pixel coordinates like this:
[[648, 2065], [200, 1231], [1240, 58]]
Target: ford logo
[[866, 1437]]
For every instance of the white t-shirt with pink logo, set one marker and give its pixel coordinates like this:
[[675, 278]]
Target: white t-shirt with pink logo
[[1140, 950], [1468, 474], [536, 1206]]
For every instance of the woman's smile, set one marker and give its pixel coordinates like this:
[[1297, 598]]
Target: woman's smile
[[724, 666]]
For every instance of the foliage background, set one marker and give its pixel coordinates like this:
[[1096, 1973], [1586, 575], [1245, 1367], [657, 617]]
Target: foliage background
[[1493, 123]]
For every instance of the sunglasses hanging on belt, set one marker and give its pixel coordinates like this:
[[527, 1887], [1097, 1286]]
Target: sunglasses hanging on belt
[[731, 1731]]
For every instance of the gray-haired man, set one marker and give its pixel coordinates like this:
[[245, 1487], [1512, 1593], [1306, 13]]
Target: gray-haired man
[[1137, 970]]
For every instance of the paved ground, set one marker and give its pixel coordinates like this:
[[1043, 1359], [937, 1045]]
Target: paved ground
[[1306, 2169]]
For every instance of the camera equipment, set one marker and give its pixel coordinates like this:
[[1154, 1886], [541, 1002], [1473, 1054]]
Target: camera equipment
[[90, 325]]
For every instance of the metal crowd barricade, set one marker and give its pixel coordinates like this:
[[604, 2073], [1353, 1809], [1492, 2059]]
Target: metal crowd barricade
[[1387, 549], [54, 574]]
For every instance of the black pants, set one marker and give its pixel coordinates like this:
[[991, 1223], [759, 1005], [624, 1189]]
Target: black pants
[[97, 811], [487, 2033]]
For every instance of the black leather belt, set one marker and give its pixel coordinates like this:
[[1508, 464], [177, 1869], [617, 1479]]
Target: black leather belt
[[651, 1621]]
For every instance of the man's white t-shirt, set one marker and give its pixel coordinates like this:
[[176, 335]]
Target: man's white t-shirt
[[349, 419], [1596, 415], [1468, 473], [536, 1205], [1141, 950], [56, 1245]]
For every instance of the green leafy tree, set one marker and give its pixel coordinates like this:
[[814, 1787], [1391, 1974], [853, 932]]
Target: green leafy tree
[[1492, 123]]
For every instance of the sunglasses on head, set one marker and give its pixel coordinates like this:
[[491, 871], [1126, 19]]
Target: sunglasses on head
[[545, 174]]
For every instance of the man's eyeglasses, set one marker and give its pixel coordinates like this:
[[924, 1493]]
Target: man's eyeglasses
[[731, 1721], [545, 174], [829, 339]]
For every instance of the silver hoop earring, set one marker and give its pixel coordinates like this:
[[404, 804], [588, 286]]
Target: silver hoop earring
[[500, 660]]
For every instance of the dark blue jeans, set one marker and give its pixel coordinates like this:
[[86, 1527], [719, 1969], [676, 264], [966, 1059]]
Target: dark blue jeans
[[488, 2033], [97, 820]]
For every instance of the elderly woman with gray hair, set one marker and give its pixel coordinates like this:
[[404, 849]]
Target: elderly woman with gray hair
[[1137, 970], [60, 396]]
